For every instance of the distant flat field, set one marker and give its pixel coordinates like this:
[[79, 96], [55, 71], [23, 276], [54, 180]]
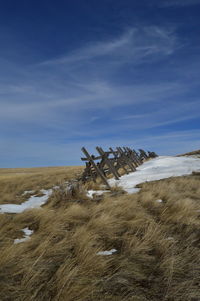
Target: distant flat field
[[7, 172], [14, 181]]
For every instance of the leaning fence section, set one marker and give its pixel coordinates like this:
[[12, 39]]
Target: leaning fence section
[[111, 162]]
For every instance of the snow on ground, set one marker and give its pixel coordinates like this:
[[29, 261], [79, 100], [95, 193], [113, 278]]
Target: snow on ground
[[156, 169], [33, 202], [28, 191], [170, 238], [90, 193], [26, 237], [159, 201], [105, 253]]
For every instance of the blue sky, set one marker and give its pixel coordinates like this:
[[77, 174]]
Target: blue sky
[[87, 73]]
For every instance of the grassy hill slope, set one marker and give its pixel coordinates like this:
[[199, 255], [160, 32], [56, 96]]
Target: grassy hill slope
[[157, 242], [14, 181], [196, 152]]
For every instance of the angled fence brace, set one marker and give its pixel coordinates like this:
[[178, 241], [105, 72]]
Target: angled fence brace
[[128, 162], [134, 156], [137, 157], [99, 172], [130, 155], [118, 160], [125, 158], [108, 162]]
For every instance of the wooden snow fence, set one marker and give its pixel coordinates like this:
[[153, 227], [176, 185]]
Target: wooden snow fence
[[110, 162]]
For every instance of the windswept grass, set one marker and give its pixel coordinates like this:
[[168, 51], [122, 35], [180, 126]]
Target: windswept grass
[[14, 181], [157, 243]]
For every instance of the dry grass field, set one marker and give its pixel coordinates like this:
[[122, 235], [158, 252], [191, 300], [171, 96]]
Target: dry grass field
[[14, 181], [157, 243], [196, 153]]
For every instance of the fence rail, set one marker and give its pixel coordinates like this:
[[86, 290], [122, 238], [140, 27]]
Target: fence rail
[[110, 162]]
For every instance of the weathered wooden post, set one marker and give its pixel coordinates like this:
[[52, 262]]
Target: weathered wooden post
[[118, 160], [98, 170], [126, 159], [108, 162], [137, 157], [130, 155], [143, 155], [121, 158]]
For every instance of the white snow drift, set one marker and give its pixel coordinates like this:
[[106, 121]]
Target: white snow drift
[[156, 169], [33, 202], [27, 234], [91, 193], [106, 253]]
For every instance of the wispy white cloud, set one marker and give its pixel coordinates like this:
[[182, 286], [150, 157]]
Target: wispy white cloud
[[132, 117], [90, 96], [95, 49], [98, 94], [160, 117], [136, 43]]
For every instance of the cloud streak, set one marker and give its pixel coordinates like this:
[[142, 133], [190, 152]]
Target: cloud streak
[[135, 43], [108, 92]]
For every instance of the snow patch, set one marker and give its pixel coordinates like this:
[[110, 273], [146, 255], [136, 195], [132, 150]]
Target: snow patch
[[159, 201], [28, 192], [156, 169], [56, 187], [33, 202], [170, 238], [105, 253], [26, 237], [90, 193]]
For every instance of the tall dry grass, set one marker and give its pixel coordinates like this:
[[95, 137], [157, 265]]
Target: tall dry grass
[[157, 243], [14, 181]]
